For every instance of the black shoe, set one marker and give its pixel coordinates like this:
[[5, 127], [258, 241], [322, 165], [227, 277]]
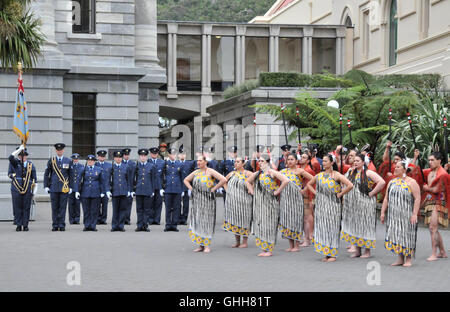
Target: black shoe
[[94, 230], [102, 223], [25, 229], [138, 229], [121, 230], [175, 230], [76, 222], [54, 229], [146, 230], [127, 222], [86, 230], [62, 229], [113, 230], [19, 228]]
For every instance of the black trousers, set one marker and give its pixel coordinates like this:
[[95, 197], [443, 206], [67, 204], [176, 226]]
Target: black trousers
[[156, 208], [129, 206], [119, 204], [103, 209], [143, 210], [59, 206], [185, 207], [22, 206], [74, 209], [90, 211], [172, 202]]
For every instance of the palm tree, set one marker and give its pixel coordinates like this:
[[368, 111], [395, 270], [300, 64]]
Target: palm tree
[[20, 38]]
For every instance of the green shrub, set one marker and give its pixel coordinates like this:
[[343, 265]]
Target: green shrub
[[290, 79], [242, 88]]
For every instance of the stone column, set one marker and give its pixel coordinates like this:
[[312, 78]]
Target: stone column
[[206, 59], [240, 54], [146, 33], [273, 48], [307, 50], [340, 35], [45, 11], [172, 60]]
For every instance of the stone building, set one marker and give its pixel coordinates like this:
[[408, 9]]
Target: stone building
[[95, 86]]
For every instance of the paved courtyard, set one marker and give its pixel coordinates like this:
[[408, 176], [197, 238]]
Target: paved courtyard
[[159, 261]]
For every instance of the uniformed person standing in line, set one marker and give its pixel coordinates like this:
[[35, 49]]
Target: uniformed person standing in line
[[163, 153], [144, 190], [253, 164], [90, 187], [212, 163], [23, 186], [131, 167], [58, 182], [74, 204], [106, 166], [228, 165], [173, 190], [155, 217], [281, 163], [187, 167], [119, 187]]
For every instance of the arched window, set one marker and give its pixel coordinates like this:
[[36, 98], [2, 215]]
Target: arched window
[[393, 28], [348, 22]]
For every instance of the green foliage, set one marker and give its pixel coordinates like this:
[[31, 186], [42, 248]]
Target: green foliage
[[20, 39], [212, 10], [242, 88], [291, 79]]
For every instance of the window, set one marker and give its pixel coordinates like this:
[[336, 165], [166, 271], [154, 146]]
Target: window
[[256, 57], [162, 55], [222, 62], [189, 63], [348, 22], [323, 55], [83, 123], [83, 16], [424, 18], [393, 33], [290, 55]]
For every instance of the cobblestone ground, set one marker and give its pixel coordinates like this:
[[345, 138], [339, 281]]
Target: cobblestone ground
[[163, 261]]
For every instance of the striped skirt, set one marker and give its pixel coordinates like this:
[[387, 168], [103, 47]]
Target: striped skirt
[[291, 212], [266, 213], [238, 208], [359, 218], [202, 214]]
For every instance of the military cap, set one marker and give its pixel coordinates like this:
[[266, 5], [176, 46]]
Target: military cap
[[233, 149], [102, 153], [211, 149], [163, 145], [118, 154], [91, 157], [59, 146], [126, 151], [143, 151], [75, 156], [286, 147], [259, 148], [172, 151], [154, 150], [23, 152], [181, 149]]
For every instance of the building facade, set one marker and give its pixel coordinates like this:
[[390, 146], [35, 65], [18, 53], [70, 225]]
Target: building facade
[[384, 36]]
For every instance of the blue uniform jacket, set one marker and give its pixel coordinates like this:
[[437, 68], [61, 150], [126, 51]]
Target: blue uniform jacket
[[214, 164], [15, 171], [106, 166], [120, 182], [159, 167], [187, 167], [281, 163], [91, 182], [227, 167], [173, 182], [76, 173], [51, 179], [144, 179]]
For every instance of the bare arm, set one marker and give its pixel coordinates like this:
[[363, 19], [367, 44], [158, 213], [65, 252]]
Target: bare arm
[[386, 151], [225, 186], [284, 181], [217, 176], [187, 181], [250, 182], [311, 184], [379, 181], [416, 194], [343, 180], [385, 205], [304, 173]]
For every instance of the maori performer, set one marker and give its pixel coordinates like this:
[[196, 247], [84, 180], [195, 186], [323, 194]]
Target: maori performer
[[359, 215], [238, 204], [291, 204], [402, 203], [436, 203], [202, 213], [328, 209], [308, 199], [266, 185]]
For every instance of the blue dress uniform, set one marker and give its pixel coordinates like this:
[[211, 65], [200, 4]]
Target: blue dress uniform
[[120, 186], [155, 217], [282, 160], [58, 178], [21, 189], [187, 167], [74, 204], [91, 186], [144, 188], [103, 205], [172, 193], [131, 166]]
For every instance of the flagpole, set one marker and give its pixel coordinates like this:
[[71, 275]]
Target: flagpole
[[415, 144], [20, 71], [389, 138], [298, 128], [284, 123]]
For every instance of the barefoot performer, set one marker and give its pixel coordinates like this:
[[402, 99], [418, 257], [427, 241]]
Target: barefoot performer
[[238, 204], [202, 214], [266, 207], [359, 214], [402, 202], [291, 204]]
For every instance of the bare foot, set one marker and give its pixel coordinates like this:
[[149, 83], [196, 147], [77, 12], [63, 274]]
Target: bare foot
[[352, 249], [305, 244], [235, 245], [267, 254], [325, 259], [331, 259], [432, 258], [442, 255], [355, 255], [397, 263], [288, 250], [295, 249], [261, 254], [366, 254], [207, 250], [199, 249], [407, 264], [243, 246]]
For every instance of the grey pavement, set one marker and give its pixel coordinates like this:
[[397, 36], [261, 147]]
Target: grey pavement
[[163, 261]]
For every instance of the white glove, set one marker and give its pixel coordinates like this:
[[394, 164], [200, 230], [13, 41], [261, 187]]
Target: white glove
[[153, 194], [133, 194], [77, 195], [161, 192], [102, 195], [109, 194], [17, 151], [220, 191], [47, 190], [35, 189], [70, 191], [182, 194], [189, 193], [128, 194]]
